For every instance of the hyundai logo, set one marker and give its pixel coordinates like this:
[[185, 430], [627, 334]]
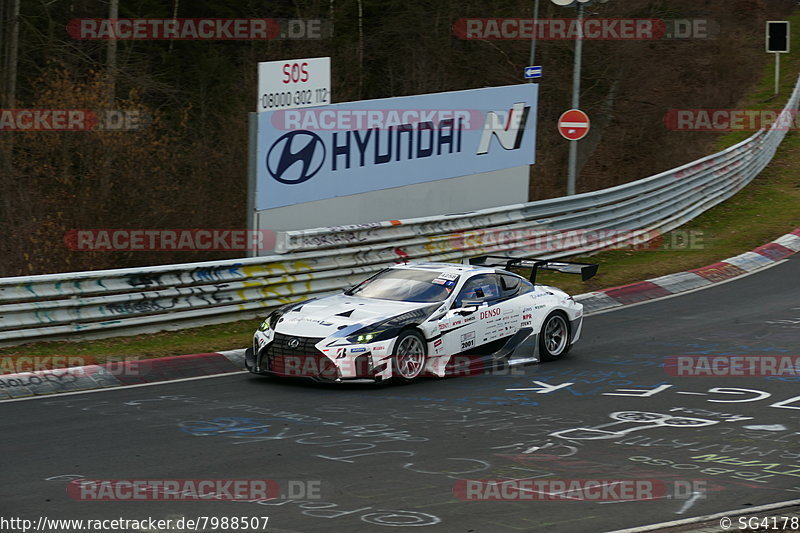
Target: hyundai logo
[[293, 343], [296, 157]]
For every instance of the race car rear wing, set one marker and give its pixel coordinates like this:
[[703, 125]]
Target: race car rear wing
[[586, 270]]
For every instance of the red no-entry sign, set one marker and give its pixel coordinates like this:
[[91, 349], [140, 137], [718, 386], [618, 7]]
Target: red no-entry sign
[[573, 125]]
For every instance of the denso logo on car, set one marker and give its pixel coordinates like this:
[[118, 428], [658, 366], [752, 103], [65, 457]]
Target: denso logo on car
[[490, 313]]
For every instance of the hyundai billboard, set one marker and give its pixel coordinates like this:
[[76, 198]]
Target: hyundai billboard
[[355, 147]]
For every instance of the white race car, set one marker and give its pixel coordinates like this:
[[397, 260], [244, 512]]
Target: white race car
[[433, 319]]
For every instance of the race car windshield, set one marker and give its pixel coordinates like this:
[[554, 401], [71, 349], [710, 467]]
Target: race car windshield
[[407, 286]]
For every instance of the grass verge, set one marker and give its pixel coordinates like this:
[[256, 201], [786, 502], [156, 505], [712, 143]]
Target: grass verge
[[768, 208]]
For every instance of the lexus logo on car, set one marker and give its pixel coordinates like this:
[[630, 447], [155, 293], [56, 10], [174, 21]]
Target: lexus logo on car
[[296, 157], [293, 343]]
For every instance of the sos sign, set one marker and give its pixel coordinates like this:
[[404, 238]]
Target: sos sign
[[295, 72], [294, 83]]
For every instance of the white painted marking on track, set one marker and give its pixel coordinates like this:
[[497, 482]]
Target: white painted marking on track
[[629, 501], [534, 448], [773, 427], [709, 517], [688, 504], [515, 362], [107, 389]]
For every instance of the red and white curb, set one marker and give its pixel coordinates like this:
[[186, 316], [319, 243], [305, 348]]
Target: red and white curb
[[651, 289], [119, 374]]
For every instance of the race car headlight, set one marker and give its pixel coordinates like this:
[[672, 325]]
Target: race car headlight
[[389, 328], [365, 338], [270, 321]]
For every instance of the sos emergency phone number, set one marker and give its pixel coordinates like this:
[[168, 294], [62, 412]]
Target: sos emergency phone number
[[294, 98]]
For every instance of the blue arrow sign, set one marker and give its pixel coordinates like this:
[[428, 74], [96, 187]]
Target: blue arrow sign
[[533, 72]]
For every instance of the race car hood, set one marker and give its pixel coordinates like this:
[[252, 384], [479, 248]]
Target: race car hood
[[326, 316]]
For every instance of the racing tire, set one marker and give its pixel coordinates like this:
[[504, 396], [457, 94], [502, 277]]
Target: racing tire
[[409, 357], [554, 337]]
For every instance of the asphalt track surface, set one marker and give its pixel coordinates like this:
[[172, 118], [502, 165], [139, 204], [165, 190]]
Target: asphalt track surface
[[388, 457]]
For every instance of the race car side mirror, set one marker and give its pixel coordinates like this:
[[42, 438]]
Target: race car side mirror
[[467, 310]]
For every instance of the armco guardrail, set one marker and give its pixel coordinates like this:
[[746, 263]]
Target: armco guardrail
[[320, 261]]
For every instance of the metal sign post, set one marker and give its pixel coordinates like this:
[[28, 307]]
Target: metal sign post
[[777, 43], [576, 85], [532, 60], [576, 103], [252, 146]]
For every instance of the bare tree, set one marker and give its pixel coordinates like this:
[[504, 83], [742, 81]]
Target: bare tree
[[360, 49], [174, 17], [113, 14], [11, 33]]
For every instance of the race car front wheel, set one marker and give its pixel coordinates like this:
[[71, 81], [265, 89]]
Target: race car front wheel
[[409, 357], [554, 338]]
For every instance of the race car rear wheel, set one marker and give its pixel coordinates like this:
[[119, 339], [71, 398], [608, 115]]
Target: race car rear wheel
[[409, 356], [554, 338]]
